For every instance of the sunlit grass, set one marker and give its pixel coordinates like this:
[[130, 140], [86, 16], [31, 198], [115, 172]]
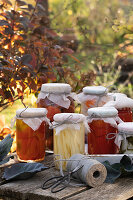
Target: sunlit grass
[[10, 111]]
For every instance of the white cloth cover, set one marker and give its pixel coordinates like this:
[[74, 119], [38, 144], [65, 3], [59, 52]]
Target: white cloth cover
[[102, 112], [58, 93], [56, 88], [59, 99], [120, 101], [112, 121], [33, 117], [31, 112], [95, 90], [63, 121], [100, 99], [125, 130]]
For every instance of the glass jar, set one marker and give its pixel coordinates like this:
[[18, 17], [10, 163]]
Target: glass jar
[[56, 97], [103, 126], [125, 114], [123, 104], [69, 134], [124, 138], [30, 134], [93, 96]]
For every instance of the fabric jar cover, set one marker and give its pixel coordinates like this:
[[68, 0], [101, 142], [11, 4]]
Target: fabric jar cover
[[107, 114], [69, 120], [119, 101], [93, 93], [33, 117], [92, 96], [103, 124], [125, 130], [58, 93]]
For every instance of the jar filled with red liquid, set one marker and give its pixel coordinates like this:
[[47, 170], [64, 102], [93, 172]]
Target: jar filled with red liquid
[[93, 96], [103, 127], [30, 134], [57, 98], [124, 106]]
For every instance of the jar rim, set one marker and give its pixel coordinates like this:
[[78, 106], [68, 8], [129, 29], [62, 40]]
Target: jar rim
[[75, 117], [95, 90], [106, 112], [56, 88], [31, 112]]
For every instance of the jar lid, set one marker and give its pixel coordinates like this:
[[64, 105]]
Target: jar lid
[[95, 90], [120, 101], [31, 112], [75, 117], [117, 95], [126, 127], [56, 88], [102, 112]]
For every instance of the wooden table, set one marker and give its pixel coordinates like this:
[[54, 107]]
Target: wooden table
[[30, 189]]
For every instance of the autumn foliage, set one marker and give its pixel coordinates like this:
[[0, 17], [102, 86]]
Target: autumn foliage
[[31, 54]]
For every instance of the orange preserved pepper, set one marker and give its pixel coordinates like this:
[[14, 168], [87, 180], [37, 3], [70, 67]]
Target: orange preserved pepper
[[30, 143], [90, 103]]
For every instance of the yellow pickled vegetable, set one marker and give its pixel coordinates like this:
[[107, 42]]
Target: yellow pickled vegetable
[[68, 142]]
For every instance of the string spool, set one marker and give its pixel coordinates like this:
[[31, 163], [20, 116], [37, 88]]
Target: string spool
[[93, 173]]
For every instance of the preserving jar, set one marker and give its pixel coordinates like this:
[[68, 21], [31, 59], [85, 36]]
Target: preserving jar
[[93, 96], [123, 104], [30, 134], [124, 139], [103, 128], [69, 134], [57, 98]]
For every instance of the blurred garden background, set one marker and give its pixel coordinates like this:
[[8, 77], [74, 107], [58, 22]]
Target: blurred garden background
[[80, 42]]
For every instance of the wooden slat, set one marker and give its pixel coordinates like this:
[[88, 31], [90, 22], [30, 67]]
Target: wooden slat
[[31, 188], [122, 189]]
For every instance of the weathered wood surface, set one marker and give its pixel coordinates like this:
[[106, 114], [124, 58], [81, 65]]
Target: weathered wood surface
[[30, 189]]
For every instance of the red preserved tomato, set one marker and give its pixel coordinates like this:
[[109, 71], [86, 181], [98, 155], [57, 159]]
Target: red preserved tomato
[[125, 114], [97, 139], [52, 110]]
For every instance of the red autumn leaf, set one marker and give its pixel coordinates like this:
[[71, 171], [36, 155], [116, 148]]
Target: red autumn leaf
[[22, 85], [5, 131], [33, 62], [1, 92], [32, 84], [13, 84], [20, 92]]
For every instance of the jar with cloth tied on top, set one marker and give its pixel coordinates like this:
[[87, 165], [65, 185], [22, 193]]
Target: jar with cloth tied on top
[[124, 138], [93, 96], [57, 98], [69, 135], [103, 129], [123, 104], [30, 134]]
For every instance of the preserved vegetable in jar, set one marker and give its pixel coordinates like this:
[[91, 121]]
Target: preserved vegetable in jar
[[57, 98], [103, 126], [124, 139], [93, 96], [69, 133], [123, 104], [125, 114], [30, 134]]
